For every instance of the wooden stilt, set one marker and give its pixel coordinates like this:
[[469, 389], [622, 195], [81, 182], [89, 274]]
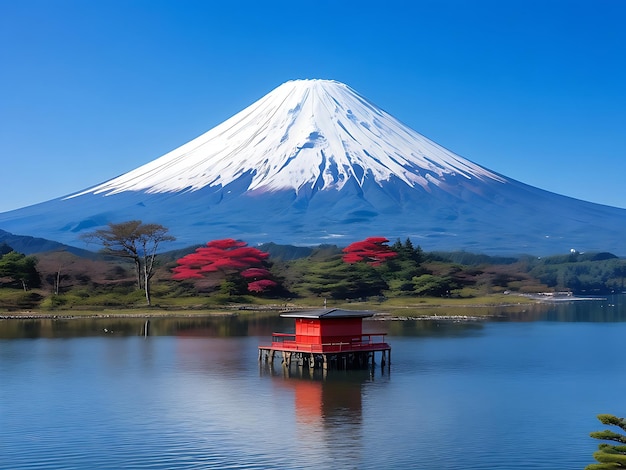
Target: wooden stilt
[[288, 359]]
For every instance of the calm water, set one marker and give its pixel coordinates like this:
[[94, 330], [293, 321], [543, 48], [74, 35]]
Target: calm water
[[518, 394]]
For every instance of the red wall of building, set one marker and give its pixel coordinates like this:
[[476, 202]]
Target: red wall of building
[[342, 328], [308, 331], [314, 331]]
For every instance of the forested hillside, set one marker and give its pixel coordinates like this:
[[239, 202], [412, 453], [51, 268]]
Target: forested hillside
[[57, 280]]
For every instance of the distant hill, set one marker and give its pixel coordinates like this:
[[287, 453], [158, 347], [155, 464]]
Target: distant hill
[[286, 252], [32, 245]]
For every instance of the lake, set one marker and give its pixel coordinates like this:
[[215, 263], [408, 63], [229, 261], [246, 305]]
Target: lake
[[516, 392]]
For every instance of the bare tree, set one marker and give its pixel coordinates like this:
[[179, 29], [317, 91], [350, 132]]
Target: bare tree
[[136, 241], [151, 235]]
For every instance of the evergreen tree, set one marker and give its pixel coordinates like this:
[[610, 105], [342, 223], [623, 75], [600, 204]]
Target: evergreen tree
[[399, 272], [20, 268], [433, 286], [339, 280], [609, 456]]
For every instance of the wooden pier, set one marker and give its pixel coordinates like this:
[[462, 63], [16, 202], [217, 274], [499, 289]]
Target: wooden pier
[[328, 338]]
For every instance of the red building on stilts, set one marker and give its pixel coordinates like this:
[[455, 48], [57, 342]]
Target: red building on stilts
[[328, 338]]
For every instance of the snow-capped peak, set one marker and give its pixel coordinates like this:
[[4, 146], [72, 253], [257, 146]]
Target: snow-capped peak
[[305, 133]]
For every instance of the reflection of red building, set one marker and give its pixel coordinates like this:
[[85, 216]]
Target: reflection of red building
[[308, 400], [325, 402], [328, 337], [318, 400]]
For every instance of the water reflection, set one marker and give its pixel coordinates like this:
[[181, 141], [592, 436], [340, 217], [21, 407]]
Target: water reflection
[[190, 397], [609, 309], [326, 402], [250, 325], [260, 324], [433, 328]]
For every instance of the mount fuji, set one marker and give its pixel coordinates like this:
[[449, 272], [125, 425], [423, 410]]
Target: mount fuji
[[314, 162]]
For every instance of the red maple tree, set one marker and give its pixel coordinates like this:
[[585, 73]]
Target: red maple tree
[[372, 250], [228, 256]]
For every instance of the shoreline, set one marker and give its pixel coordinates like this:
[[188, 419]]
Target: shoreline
[[29, 315], [384, 313]]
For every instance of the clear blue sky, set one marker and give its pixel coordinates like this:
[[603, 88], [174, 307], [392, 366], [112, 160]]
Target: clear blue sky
[[532, 89]]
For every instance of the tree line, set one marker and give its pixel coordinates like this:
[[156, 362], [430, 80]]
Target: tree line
[[373, 267]]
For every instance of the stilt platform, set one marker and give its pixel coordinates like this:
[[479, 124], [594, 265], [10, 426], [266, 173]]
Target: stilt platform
[[328, 339], [343, 359]]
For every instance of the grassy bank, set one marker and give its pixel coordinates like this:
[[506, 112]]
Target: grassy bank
[[489, 305]]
